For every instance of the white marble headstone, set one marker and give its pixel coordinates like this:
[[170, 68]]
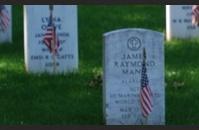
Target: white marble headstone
[[5, 23], [179, 22], [38, 57], [123, 56]]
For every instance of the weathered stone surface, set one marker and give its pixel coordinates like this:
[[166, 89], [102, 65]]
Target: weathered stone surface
[[123, 56], [38, 57], [179, 22]]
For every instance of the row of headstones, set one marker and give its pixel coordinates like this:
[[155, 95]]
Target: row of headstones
[[133, 67], [46, 29], [178, 22]]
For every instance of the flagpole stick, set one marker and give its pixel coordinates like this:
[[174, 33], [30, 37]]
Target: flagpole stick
[[145, 116], [54, 59], [144, 56], [146, 120], [53, 41]]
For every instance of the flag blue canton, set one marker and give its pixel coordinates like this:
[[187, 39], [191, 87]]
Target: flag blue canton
[[144, 79]]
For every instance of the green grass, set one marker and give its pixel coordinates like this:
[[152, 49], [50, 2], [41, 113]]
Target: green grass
[[182, 74], [68, 99]]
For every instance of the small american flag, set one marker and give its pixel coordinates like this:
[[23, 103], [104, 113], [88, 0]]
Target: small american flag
[[4, 19], [195, 15], [51, 38], [145, 92]]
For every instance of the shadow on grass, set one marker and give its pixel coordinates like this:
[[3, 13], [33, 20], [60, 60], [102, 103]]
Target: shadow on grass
[[44, 99], [182, 53], [182, 74]]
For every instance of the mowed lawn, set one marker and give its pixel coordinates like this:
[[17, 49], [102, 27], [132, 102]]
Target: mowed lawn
[[74, 98]]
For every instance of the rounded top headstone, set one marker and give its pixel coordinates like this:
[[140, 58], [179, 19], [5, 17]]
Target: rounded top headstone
[[138, 30]]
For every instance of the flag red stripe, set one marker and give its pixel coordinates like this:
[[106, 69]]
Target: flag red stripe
[[144, 111], [147, 94], [4, 14], [4, 20], [50, 36], [146, 101]]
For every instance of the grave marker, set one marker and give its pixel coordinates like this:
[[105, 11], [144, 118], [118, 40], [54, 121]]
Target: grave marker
[[51, 41], [179, 22], [125, 52]]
